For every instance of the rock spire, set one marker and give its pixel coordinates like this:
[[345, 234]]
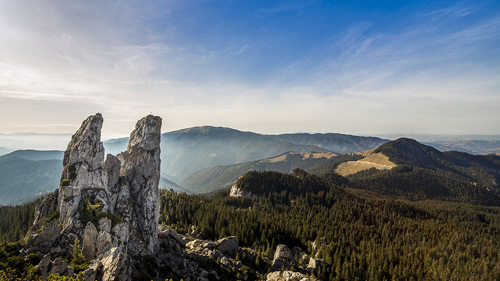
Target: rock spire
[[111, 205]]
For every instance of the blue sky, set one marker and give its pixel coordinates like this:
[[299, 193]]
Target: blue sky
[[359, 67]]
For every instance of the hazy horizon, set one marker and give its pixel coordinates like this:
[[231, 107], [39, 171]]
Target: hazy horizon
[[59, 141], [352, 67]]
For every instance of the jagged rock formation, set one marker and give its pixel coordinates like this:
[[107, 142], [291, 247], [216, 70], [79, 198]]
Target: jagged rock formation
[[112, 206]]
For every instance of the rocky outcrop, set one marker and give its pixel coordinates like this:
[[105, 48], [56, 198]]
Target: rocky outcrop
[[90, 242], [236, 191], [283, 258], [48, 239], [140, 167], [82, 169], [228, 245], [112, 206], [287, 276], [314, 264], [43, 210]]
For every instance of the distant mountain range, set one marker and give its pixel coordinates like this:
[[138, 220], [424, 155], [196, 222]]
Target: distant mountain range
[[203, 159], [28, 174], [187, 151]]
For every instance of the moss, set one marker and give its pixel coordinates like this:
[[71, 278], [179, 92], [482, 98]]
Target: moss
[[52, 217], [64, 182]]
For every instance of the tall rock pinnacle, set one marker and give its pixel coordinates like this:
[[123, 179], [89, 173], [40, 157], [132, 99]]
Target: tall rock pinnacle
[[111, 206], [140, 165], [82, 167]]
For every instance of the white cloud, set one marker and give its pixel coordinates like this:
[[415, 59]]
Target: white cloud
[[71, 59]]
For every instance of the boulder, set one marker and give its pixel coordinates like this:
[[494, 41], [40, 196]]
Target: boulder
[[43, 266], [46, 239], [59, 267], [228, 245], [89, 242], [286, 276], [314, 264], [104, 243], [165, 231], [283, 258], [105, 225], [116, 266]]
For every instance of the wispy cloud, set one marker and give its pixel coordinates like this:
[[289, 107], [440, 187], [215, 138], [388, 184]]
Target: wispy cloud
[[127, 59]]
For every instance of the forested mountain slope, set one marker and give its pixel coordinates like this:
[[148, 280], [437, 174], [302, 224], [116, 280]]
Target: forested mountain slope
[[423, 172]]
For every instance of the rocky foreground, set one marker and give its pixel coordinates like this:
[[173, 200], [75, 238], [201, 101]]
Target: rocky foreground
[[106, 212]]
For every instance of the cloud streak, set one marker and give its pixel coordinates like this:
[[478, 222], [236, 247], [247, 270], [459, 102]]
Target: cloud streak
[[195, 63]]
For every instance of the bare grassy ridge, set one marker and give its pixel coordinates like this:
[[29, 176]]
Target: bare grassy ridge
[[375, 160]]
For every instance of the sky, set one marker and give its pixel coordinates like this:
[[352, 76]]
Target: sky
[[358, 67]]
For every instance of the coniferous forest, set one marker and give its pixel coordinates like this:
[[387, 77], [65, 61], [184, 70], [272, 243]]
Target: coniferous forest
[[359, 234]]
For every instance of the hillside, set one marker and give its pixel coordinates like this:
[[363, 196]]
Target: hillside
[[28, 174], [352, 234], [33, 155], [219, 177], [423, 172], [23, 180], [4, 151], [193, 149], [297, 183]]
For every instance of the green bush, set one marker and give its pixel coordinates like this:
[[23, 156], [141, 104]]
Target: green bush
[[33, 258], [78, 261], [70, 172], [52, 217], [91, 212]]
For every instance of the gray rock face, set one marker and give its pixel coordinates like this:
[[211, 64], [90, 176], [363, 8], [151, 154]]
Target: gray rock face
[[46, 207], [238, 192], [116, 266], [82, 168], [59, 267], [46, 239], [314, 264], [140, 165], [85, 152], [283, 258], [89, 242], [286, 276], [228, 245]]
